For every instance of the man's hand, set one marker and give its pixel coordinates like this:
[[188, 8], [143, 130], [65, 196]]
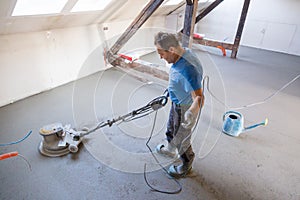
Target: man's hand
[[189, 120]]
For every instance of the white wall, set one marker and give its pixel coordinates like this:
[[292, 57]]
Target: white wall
[[143, 38], [37, 61], [270, 24], [34, 62], [274, 25]]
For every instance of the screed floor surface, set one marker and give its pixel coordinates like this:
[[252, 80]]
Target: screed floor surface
[[262, 163]]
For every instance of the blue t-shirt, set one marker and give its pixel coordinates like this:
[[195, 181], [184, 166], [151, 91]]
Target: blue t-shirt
[[185, 76]]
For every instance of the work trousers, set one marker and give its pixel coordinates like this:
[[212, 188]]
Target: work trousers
[[177, 135]]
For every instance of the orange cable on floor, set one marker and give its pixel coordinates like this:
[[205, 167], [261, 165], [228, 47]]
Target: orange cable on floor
[[13, 154]]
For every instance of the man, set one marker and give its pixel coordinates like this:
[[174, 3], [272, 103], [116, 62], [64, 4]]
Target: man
[[185, 90]]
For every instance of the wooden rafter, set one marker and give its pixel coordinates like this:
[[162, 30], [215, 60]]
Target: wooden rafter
[[135, 25], [143, 68], [207, 10], [240, 29], [213, 43], [223, 45], [208, 42], [188, 30], [129, 32], [189, 22]]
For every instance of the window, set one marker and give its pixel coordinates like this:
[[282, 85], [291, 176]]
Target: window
[[172, 2], [176, 2], [38, 7], [89, 5]]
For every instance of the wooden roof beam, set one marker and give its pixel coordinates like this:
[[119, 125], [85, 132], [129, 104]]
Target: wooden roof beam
[[189, 22], [116, 60], [207, 10], [135, 25], [240, 29]]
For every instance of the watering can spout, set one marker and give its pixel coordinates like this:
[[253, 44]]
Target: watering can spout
[[264, 123]]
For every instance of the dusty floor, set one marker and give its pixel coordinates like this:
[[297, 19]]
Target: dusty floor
[[260, 164]]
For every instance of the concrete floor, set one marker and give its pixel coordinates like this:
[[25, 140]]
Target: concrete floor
[[260, 164]]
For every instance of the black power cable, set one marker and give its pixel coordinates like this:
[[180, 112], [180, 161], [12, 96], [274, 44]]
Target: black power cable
[[162, 167], [157, 161]]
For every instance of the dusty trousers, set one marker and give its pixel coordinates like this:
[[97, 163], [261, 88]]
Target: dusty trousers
[[177, 135]]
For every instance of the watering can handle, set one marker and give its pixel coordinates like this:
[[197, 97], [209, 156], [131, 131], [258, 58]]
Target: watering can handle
[[231, 112]]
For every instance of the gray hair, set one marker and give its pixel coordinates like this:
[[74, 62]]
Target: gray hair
[[166, 40]]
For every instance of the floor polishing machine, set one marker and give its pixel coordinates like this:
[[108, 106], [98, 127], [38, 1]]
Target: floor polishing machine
[[59, 140]]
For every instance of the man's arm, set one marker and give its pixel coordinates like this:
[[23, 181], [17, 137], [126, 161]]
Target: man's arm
[[190, 115], [198, 101]]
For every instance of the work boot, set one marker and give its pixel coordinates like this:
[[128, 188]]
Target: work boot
[[180, 170], [167, 150]]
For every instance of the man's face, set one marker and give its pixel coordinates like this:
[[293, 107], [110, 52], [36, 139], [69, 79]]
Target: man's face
[[166, 55]]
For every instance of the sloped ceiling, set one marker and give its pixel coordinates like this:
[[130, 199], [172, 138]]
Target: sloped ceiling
[[117, 10]]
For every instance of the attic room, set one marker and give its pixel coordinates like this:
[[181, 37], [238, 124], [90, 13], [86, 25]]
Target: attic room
[[90, 106]]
